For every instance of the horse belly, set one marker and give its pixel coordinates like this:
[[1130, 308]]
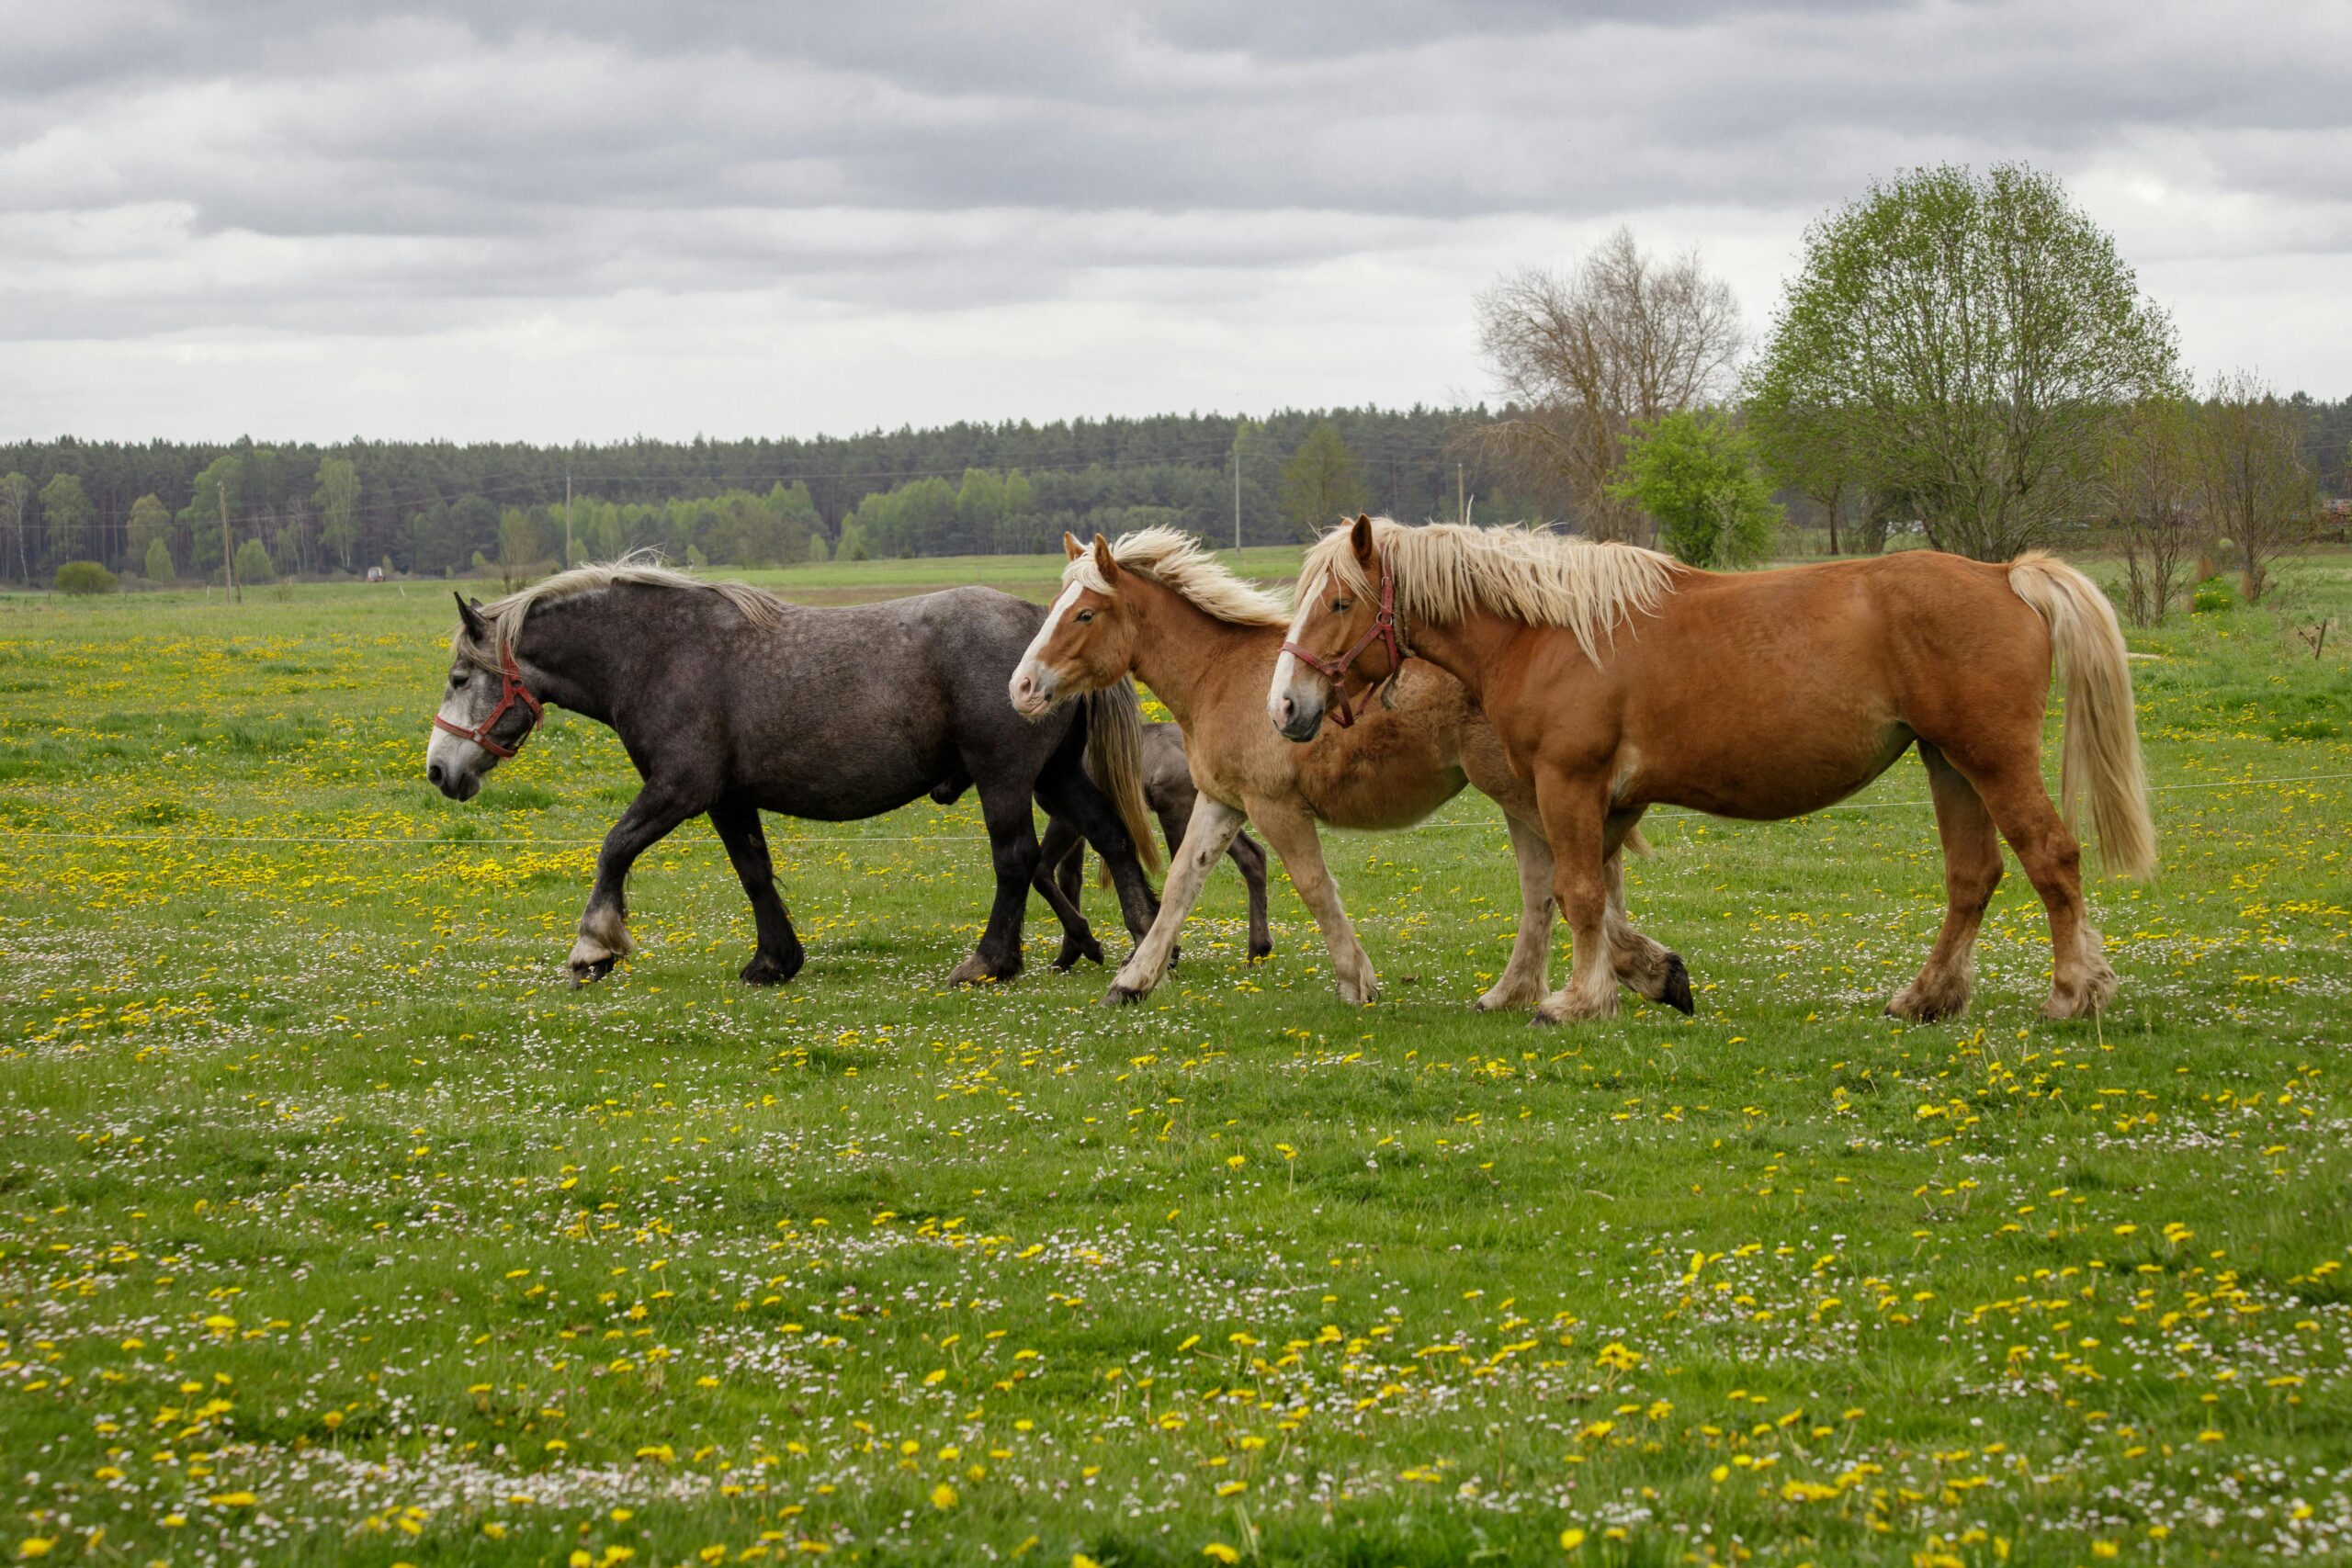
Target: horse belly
[[1795, 774]]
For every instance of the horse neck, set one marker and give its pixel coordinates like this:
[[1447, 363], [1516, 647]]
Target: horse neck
[[1178, 643], [1464, 649], [578, 652]]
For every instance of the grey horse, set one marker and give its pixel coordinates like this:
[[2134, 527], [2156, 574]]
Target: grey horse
[[1168, 789], [730, 702]]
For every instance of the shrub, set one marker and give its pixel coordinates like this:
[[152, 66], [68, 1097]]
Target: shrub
[[2211, 594], [81, 578], [159, 561]]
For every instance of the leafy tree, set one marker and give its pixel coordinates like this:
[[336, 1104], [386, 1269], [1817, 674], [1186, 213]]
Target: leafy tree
[[15, 505], [852, 546], [1697, 477], [67, 515], [253, 564], [150, 521], [159, 562], [337, 499], [1320, 483], [1962, 341], [519, 546], [224, 476]]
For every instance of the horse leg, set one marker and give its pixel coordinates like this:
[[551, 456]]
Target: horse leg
[[2080, 981], [1251, 858], [603, 925], [1972, 870], [1213, 826], [1059, 864], [1576, 814], [1653, 970], [1065, 791], [1291, 834], [1521, 985], [778, 955], [1012, 845]]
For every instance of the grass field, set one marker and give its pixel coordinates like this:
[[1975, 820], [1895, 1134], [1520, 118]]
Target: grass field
[[334, 1226]]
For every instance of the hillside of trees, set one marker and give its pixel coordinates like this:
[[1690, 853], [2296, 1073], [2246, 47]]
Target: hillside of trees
[[439, 508]]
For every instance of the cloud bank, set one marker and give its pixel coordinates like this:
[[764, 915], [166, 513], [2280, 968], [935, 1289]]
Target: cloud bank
[[595, 220]]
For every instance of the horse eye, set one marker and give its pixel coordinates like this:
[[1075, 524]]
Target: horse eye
[[1340, 606], [457, 678], [1084, 617]]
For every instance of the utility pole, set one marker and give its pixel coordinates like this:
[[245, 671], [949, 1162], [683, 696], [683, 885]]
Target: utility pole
[[227, 557], [567, 514], [1237, 487]]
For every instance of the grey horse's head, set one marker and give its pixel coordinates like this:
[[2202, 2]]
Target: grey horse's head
[[486, 712]]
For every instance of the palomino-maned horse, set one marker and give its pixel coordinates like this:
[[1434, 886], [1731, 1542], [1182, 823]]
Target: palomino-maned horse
[[1619, 679], [731, 702], [1157, 606], [1169, 789]]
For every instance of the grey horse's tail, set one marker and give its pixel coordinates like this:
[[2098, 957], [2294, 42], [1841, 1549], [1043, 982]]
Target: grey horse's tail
[[1114, 756]]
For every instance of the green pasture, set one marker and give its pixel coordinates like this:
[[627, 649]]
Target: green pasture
[[336, 1227]]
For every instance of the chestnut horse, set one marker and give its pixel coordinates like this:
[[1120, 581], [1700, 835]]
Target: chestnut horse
[[1158, 606], [1619, 679]]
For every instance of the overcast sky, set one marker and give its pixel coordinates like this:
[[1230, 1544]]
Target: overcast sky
[[300, 218]]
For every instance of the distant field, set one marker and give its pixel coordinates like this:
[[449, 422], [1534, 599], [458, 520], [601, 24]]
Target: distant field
[[335, 1227]]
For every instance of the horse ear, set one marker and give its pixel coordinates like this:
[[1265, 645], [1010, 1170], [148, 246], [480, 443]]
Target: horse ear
[[1360, 537], [1103, 563], [1070, 546], [471, 614]]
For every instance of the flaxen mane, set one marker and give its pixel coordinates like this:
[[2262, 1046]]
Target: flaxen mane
[[1444, 570], [1177, 560], [642, 567]]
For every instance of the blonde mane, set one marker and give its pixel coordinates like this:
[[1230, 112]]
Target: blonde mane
[[642, 567], [1179, 562], [1444, 572]]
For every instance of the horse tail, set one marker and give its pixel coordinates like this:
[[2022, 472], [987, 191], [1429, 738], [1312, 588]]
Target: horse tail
[[1114, 756], [2101, 758]]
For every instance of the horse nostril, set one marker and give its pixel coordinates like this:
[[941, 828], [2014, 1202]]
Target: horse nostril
[[1286, 710], [433, 771]]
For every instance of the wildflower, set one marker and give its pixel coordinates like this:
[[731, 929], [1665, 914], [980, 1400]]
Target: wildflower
[[1571, 1538]]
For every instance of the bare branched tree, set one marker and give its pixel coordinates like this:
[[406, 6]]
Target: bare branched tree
[[2149, 481], [1581, 354], [2258, 493]]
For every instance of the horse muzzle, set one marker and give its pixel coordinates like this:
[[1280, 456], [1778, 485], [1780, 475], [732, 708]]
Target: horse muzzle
[[1294, 719], [1033, 690]]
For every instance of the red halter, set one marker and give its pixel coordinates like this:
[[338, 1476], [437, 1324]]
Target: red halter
[[513, 691], [1382, 630]]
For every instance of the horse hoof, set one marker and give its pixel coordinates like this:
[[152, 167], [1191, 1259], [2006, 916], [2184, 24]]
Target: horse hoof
[[1120, 996], [1260, 950], [764, 970], [977, 970], [1677, 994], [588, 973]]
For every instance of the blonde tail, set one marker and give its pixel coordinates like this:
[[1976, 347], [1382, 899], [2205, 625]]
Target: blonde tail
[[2100, 757], [1114, 756]]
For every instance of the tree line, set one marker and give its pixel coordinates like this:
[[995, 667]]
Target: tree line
[[438, 508]]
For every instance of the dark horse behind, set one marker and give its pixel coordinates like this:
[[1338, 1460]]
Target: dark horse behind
[[730, 702]]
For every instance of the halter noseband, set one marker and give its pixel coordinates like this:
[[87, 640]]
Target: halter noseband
[[1383, 630], [510, 692]]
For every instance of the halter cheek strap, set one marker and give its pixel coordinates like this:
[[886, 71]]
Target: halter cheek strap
[[511, 692], [1383, 630]]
